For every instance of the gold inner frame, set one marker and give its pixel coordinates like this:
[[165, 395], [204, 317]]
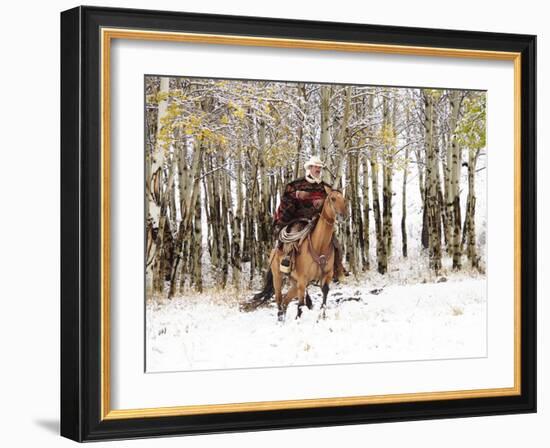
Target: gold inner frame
[[107, 35]]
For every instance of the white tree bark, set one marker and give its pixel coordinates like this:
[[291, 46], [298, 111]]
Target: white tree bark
[[154, 188], [325, 121], [341, 140], [453, 199], [432, 191]]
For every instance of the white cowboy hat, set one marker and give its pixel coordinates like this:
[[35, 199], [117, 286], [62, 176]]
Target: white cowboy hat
[[314, 161]]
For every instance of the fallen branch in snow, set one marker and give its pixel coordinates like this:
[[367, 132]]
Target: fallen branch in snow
[[350, 299], [376, 291], [251, 305]]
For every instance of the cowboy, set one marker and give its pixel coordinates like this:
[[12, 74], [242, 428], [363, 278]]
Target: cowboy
[[303, 198]]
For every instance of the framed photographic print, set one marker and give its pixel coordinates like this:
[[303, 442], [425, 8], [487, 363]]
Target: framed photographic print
[[273, 223]]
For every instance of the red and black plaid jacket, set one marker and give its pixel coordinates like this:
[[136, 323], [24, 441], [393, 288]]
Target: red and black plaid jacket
[[292, 208]]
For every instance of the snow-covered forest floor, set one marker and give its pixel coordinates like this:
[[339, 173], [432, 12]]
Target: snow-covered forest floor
[[408, 314]]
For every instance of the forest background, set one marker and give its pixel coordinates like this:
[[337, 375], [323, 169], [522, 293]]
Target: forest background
[[219, 152]]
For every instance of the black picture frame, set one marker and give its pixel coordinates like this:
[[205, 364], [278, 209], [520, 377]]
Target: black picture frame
[[81, 226]]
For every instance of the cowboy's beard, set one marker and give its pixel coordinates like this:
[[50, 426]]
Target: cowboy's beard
[[311, 178]]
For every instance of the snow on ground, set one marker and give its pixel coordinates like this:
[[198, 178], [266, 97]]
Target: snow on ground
[[412, 318], [416, 316]]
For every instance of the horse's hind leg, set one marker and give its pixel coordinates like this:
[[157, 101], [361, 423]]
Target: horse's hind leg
[[301, 299], [309, 303], [291, 294], [277, 282], [300, 305]]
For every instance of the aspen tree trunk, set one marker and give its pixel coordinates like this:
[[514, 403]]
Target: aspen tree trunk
[[197, 243], [425, 236], [154, 191], [214, 215], [346, 241], [247, 234], [160, 263], [299, 138], [386, 223], [421, 165], [288, 176], [162, 241], [151, 122], [441, 216], [168, 238], [366, 202], [391, 162], [446, 207], [366, 219], [357, 221], [172, 203], [471, 250], [236, 219], [404, 202], [193, 236], [264, 215], [230, 216], [221, 224], [214, 202], [189, 186], [278, 185], [179, 254], [252, 204], [225, 223], [259, 207], [380, 246], [445, 217], [453, 199], [298, 169], [206, 201], [386, 188], [438, 233], [274, 186], [341, 139], [431, 202], [184, 269], [353, 220], [404, 241], [325, 121], [357, 216]]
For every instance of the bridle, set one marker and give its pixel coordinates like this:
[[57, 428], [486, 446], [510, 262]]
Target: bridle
[[331, 222]]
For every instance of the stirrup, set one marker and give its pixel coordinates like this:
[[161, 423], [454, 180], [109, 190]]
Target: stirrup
[[284, 266]]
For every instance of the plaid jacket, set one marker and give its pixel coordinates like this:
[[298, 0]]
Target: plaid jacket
[[291, 207]]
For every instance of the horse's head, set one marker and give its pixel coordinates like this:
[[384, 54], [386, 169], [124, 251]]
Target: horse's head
[[335, 203]]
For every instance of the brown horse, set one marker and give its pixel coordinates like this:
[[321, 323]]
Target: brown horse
[[314, 261]]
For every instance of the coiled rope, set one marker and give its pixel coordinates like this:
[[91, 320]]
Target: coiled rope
[[299, 235]]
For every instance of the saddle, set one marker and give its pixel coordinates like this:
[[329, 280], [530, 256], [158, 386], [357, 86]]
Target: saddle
[[290, 237]]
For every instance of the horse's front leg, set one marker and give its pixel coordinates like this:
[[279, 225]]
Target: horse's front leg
[[325, 289], [301, 299]]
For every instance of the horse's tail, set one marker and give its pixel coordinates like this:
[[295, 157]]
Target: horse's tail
[[268, 291]]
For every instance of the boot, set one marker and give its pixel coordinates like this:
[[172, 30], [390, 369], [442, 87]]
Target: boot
[[284, 266], [286, 262]]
